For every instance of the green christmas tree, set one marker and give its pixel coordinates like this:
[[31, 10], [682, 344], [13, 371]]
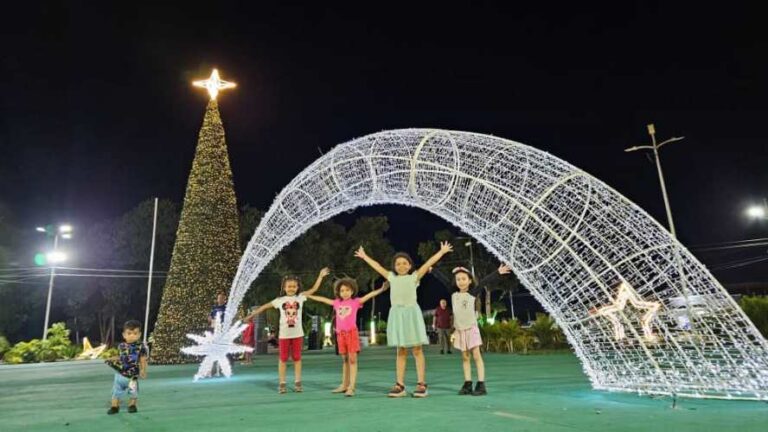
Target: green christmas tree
[[207, 250]]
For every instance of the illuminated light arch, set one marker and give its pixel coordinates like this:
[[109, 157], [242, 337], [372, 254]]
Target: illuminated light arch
[[641, 313]]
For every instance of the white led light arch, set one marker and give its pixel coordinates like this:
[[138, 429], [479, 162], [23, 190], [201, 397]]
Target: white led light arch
[[641, 313]]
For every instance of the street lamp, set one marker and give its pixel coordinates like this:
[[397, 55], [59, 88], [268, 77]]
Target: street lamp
[[655, 147], [758, 211], [54, 257], [468, 243]]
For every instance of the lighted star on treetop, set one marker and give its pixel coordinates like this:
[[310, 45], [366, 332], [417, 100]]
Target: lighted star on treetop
[[214, 84]]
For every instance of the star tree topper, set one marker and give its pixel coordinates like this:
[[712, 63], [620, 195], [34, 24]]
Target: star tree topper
[[214, 84], [215, 346]]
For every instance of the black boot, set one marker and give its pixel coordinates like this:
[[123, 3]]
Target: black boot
[[479, 389], [466, 389], [113, 410]]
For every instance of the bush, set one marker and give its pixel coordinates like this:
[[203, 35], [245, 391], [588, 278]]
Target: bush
[[756, 308], [56, 347], [109, 353], [4, 346]]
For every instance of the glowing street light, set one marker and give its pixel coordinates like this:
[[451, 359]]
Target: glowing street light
[[56, 257], [758, 211], [53, 257]]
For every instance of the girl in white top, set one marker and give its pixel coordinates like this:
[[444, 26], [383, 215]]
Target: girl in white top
[[467, 334]]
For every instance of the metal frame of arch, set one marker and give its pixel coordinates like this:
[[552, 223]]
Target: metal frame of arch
[[571, 239]]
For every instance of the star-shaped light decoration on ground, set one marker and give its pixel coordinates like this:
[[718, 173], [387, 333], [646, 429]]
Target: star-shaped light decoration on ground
[[215, 346], [89, 352], [214, 84], [627, 294]]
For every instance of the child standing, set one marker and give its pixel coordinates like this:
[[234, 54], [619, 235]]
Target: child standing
[[291, 336], [345, 308], [467, 334], [405, 325], [249, 339], [130, 365]]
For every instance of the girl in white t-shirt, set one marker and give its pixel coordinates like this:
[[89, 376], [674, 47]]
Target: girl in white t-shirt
[[466, 337], [291, 331]]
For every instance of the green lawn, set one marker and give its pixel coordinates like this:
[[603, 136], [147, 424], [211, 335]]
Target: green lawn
[[527, 393]]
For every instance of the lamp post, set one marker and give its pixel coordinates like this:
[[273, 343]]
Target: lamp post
[[655, 147], [468, 243], [52, 258]]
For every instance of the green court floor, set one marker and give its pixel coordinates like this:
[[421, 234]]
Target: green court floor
[[527, 393]]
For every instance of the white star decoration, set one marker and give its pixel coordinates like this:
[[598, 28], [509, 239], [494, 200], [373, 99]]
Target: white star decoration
[[214, 84], [627, 294], [215, 346]]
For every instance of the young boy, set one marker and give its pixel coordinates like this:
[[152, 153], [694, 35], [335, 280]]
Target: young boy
[[130, 365], [219, 308], [291, 331]]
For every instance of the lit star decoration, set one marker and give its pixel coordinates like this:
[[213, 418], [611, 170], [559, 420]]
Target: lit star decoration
[[624, 295], [214, 84], [215, 346]]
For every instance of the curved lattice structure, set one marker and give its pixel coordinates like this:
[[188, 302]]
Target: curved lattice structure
[[639, 310]]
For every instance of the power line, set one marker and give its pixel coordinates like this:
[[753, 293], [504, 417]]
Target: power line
[[740, 263]]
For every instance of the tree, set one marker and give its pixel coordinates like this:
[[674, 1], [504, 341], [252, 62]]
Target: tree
[[123, 243], [207, 250], [484, 262], [369, 233]]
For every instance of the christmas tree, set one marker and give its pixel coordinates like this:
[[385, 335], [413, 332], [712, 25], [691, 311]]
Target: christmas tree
[[207, 251]]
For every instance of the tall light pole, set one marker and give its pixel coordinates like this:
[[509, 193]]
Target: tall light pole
[[52, 258], [655, 147], [468, 243]]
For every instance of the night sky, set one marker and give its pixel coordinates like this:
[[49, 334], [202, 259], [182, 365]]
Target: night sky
[[98, 112]]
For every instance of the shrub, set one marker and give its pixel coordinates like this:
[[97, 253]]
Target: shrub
[[56, 347], [4, 346], [756, 308]]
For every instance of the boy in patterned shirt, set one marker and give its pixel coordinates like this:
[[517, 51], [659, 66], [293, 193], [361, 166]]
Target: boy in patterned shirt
[[130, 365]]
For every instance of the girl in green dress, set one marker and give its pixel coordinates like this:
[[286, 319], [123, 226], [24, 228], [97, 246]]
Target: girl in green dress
[[405, 325]]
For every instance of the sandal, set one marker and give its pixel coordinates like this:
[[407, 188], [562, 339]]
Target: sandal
[[350, 392], [421, 390], [281, 388], [297, 387], [397, 390], [339, 389]]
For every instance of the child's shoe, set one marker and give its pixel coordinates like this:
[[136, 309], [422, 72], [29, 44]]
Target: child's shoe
[[281, 388], [397, 391], [113, 410], [466, 389], [350, 392], [132, 409], [339, 389], [297, 387], [479, 389], [421, 390]]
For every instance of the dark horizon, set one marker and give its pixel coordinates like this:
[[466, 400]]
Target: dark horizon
[[99, 113]]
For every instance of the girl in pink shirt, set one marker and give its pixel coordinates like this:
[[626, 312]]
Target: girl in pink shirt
[[345, 307]]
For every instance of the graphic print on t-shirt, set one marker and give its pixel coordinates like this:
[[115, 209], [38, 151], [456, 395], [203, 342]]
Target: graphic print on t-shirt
[[291, 309], [343, 311]]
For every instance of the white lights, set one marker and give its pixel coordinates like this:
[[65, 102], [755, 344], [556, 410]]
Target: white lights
[[568, 237], [215, 346], [214, 84], [56, 257], [756, 212]]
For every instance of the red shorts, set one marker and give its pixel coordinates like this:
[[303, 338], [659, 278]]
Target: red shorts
[[348, 341], [291, 347]]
